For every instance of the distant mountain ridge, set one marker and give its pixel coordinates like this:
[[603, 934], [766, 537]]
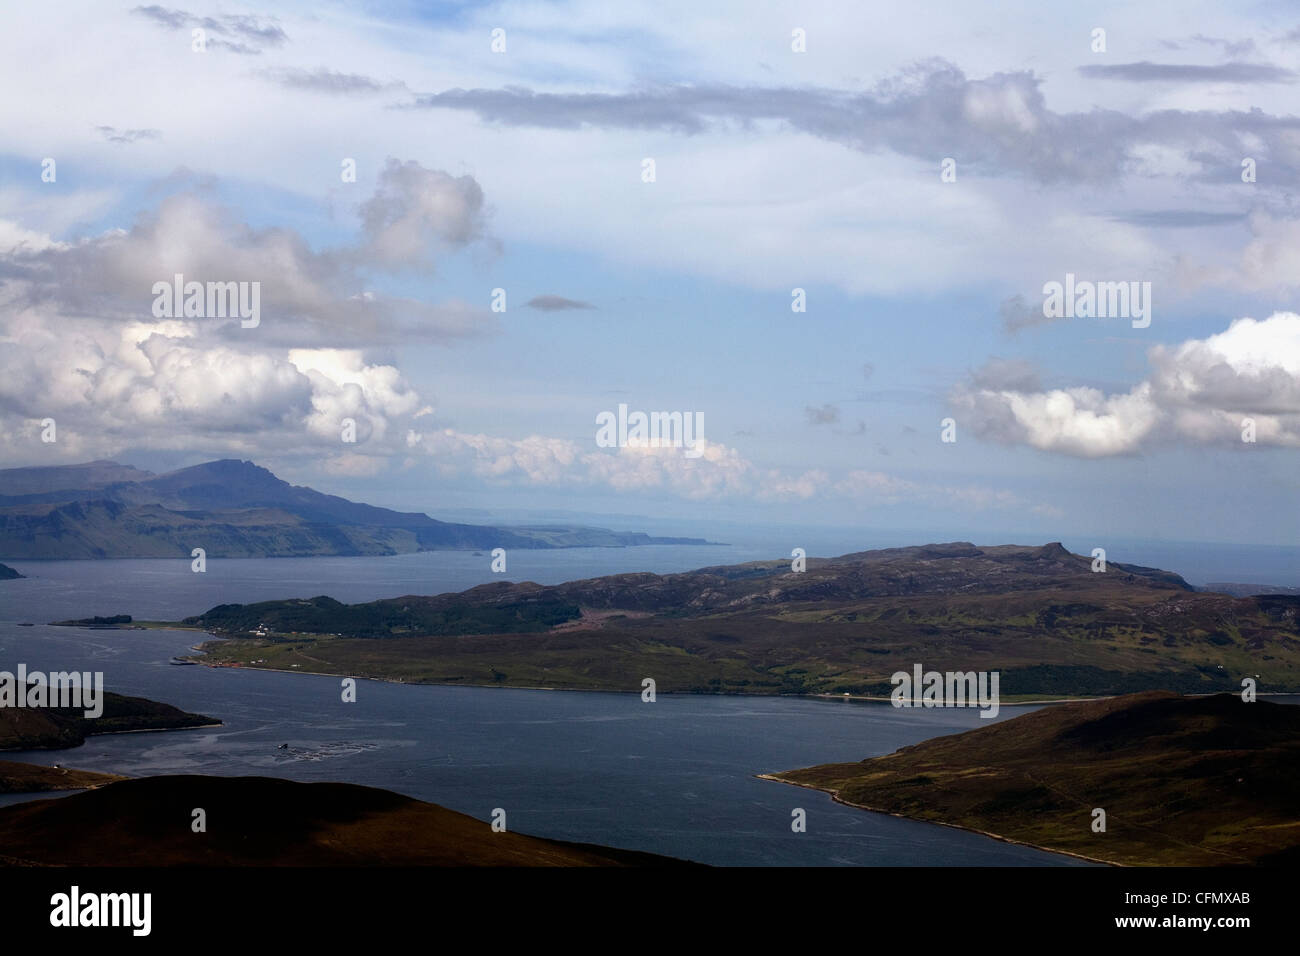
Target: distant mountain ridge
[[234, 508]]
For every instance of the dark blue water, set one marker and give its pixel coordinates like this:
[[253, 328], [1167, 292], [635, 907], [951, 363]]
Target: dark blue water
[[674, 777]]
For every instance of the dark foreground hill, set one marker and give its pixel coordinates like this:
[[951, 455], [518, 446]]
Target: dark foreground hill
[[233, 509], [54, 728], [1194, 781], [262, 821], [7, 573], [1038, 615]]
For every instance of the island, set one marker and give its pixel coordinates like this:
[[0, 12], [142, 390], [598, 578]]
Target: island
[[265, 821], [110, 623], [1182, 781], [1038, 615]]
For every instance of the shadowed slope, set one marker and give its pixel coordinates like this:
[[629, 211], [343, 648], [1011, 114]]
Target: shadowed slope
[[263, 821]]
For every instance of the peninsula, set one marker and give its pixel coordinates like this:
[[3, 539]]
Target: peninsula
[[1178, 781], [1038, 615]]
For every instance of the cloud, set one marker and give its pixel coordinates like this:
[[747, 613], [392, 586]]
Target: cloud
[[323, 80], [885, 489], [160, 386], [999, 125], [1178, 218], [1148, 72], [114, 135], [999, 374], [826, 415], [1272, 257], [1199, 392], [304, 293], [556, 303], [1016, 313], [243, 33], [1233, 48], [85, 344], [1252, 368], [1082, 422], [720, 472], [353, 466], [415, 209]]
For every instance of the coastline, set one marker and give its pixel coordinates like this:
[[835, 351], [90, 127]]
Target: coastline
[[198, 648], [109, 733], [834, 795], [153, 730], [611, 690], [1004, 702]]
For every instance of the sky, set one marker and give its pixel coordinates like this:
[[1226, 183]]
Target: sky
[[825, 231]]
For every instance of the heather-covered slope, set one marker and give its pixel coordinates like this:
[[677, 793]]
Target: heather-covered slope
[[1189, 781], [1038, 615]]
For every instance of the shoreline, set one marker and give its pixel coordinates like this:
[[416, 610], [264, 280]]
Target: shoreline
[[679, 693], [154, 730], [834, 795], [610, 690], [198, 648], [108, 733]]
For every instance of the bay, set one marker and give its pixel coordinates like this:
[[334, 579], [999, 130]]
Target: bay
[[675, 777]]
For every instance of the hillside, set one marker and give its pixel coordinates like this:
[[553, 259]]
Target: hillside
[[233, 509], [1038, 615], [262, 821], [35, 778], [7, 573], [1184, 781], [54, 728]]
